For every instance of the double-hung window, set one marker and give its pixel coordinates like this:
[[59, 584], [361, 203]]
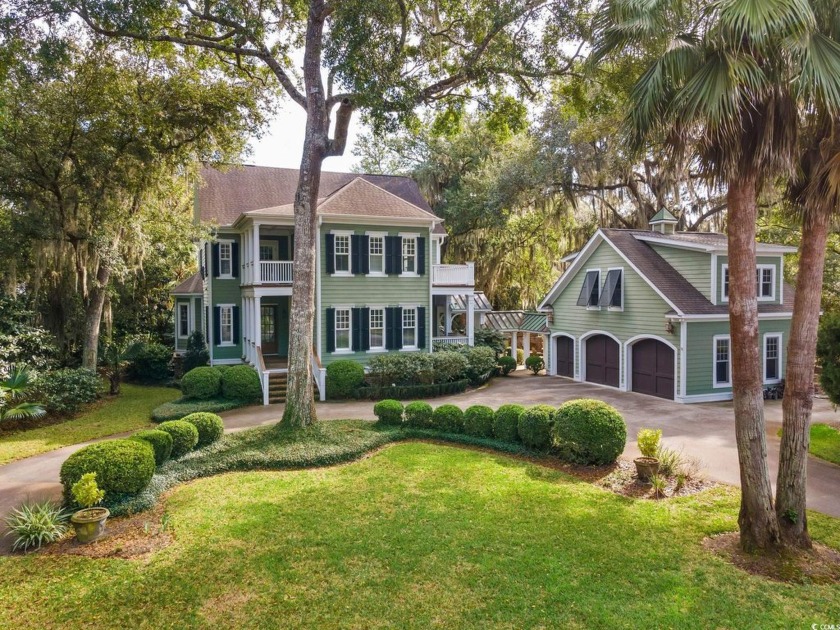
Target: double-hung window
[[409, 328], [772, 358], [376, 253], [377, 329], [590, 291], [225, 259], [342, 329], [342, 253], [722, 361], [409, 254], [765, 282], [183, 320], [226, 324]]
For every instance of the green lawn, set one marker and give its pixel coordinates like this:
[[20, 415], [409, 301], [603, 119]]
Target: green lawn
[[825, 442], [419, 535], [131, 410]]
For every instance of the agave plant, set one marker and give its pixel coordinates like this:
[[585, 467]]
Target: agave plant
[[36, 524], [12, 390]]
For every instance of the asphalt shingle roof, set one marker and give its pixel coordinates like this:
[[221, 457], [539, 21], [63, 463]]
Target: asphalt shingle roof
[[191, 286]]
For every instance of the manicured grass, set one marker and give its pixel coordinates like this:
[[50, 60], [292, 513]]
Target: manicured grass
[[825, 442], [130, 410], [419, 535]]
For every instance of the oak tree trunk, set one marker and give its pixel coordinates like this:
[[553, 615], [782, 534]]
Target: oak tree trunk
[[93, 316], [799, 383], [756, 520]]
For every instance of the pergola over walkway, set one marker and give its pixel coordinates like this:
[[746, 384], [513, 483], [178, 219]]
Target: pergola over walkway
[[525, 323]]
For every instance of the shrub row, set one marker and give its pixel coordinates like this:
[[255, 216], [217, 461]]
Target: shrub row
[[403, 392], [236, 382], [582, 431], [177, 409]]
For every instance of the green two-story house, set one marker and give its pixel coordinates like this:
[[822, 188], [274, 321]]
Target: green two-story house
[[647, 311], [380, 286]]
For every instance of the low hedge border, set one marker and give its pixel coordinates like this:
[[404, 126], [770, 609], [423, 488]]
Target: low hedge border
[[177, 409], [409, 392]]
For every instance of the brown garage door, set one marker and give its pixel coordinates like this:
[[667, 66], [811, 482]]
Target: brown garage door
[[653, 368], [602, 360], [565, 357]]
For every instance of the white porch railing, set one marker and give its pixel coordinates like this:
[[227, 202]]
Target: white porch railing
[[276, 271], [451, 341], [454, 275]]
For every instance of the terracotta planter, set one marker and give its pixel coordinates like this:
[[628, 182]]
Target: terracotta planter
[[646, 467], [89, 524]]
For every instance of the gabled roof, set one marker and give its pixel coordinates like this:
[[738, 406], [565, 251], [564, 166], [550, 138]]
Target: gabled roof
[[663, 216], [193, 285], [225, 195]]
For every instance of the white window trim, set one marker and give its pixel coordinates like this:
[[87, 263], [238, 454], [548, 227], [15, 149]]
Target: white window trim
[[416, 309], [617, 309], [349, 234], [190, 323], [384, 346], [415, 236], [772, 296], [338, 350], [377, 274], [232, 342], [596, 307], [767, 336], [225, 276], [715, 384]]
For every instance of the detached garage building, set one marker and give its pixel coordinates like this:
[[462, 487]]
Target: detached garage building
[[647, 311]]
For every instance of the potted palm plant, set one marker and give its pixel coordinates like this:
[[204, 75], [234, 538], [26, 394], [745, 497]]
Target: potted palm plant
[[647, 466], [89, 522]]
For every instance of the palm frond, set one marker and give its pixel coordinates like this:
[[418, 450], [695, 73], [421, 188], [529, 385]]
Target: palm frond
[[820, 76], [24, 411], [757, 22], [18, 381]]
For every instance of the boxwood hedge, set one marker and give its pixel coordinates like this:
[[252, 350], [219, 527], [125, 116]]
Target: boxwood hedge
[[122, 467], [184, 436]]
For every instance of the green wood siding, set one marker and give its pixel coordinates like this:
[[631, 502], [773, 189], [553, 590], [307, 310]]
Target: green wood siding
[[361, 290], [225, 291], [699, 345], [643, 314], [694, 266], [776, 261]]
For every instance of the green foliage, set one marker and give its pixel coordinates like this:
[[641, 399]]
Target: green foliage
[[344, 377], [481, 361], [201, 383], [389, 411], [507, 364], [161, 443], [177, 409], [121, 466], [648, 441], [404, 368], [520, 356], [241, 382], [34, 525], [184, 436], [506, 422], [66, 391], [209, 426], [448, 418], [418, 414], [197, 354], [491, 338], [478, 421], [150, 363], [22, 343], [825, 443], [406, 392], [449, 366], [589, 432], [14, 388], [535, 363], [828, 354], [535, 427], [86, 492]]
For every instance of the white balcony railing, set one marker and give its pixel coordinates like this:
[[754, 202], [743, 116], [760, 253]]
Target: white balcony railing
[[454, 275], [276, 271], [451, 341]]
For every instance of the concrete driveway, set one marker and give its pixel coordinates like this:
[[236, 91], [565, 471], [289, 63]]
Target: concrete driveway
[[703, 431]]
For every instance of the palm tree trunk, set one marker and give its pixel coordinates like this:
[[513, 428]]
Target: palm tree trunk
[[799, 383], [757, 520]]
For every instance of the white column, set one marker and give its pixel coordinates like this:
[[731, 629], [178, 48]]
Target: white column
[[470, 318], [256, 256], [547, 354], [513, 344], [447, 317], [257, 331], [249, 330], [526, 344], [244, 257]]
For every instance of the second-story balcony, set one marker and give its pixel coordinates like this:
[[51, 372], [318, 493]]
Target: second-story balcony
[[266, 253], [453, 275], [276, 271]]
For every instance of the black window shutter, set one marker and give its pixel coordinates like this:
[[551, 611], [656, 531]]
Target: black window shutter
[[329, 240], [234, 259], [356, 329], [292, 247], [215, 260], [330, 330], [202, 264], [421, 326], [398, 336], [235, 313], [283, 248], [355, 254], [390, 335], [392, 255], [421, 256], [217, 325], [364, 324], [364, 254]]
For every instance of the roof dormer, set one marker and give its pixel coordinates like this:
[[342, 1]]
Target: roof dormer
[[663, 222]]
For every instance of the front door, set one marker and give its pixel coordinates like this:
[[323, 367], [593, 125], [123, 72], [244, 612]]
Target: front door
[[268, 328]]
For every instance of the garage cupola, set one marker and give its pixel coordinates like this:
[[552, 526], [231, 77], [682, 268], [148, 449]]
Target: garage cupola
[[663, 222]]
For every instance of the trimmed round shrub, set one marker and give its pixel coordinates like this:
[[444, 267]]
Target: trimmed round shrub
[[150, 363], [507, 364], [241, 382], [535, 426], [121, 466], [161, 443], [201, 383], [418, 414], [66, 391], [449, 366], [344, 378], [209, 426], [478, 421], [535, 363], [184, 436], [506, 422], [589, 432], [389, 411], [448, 418]]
